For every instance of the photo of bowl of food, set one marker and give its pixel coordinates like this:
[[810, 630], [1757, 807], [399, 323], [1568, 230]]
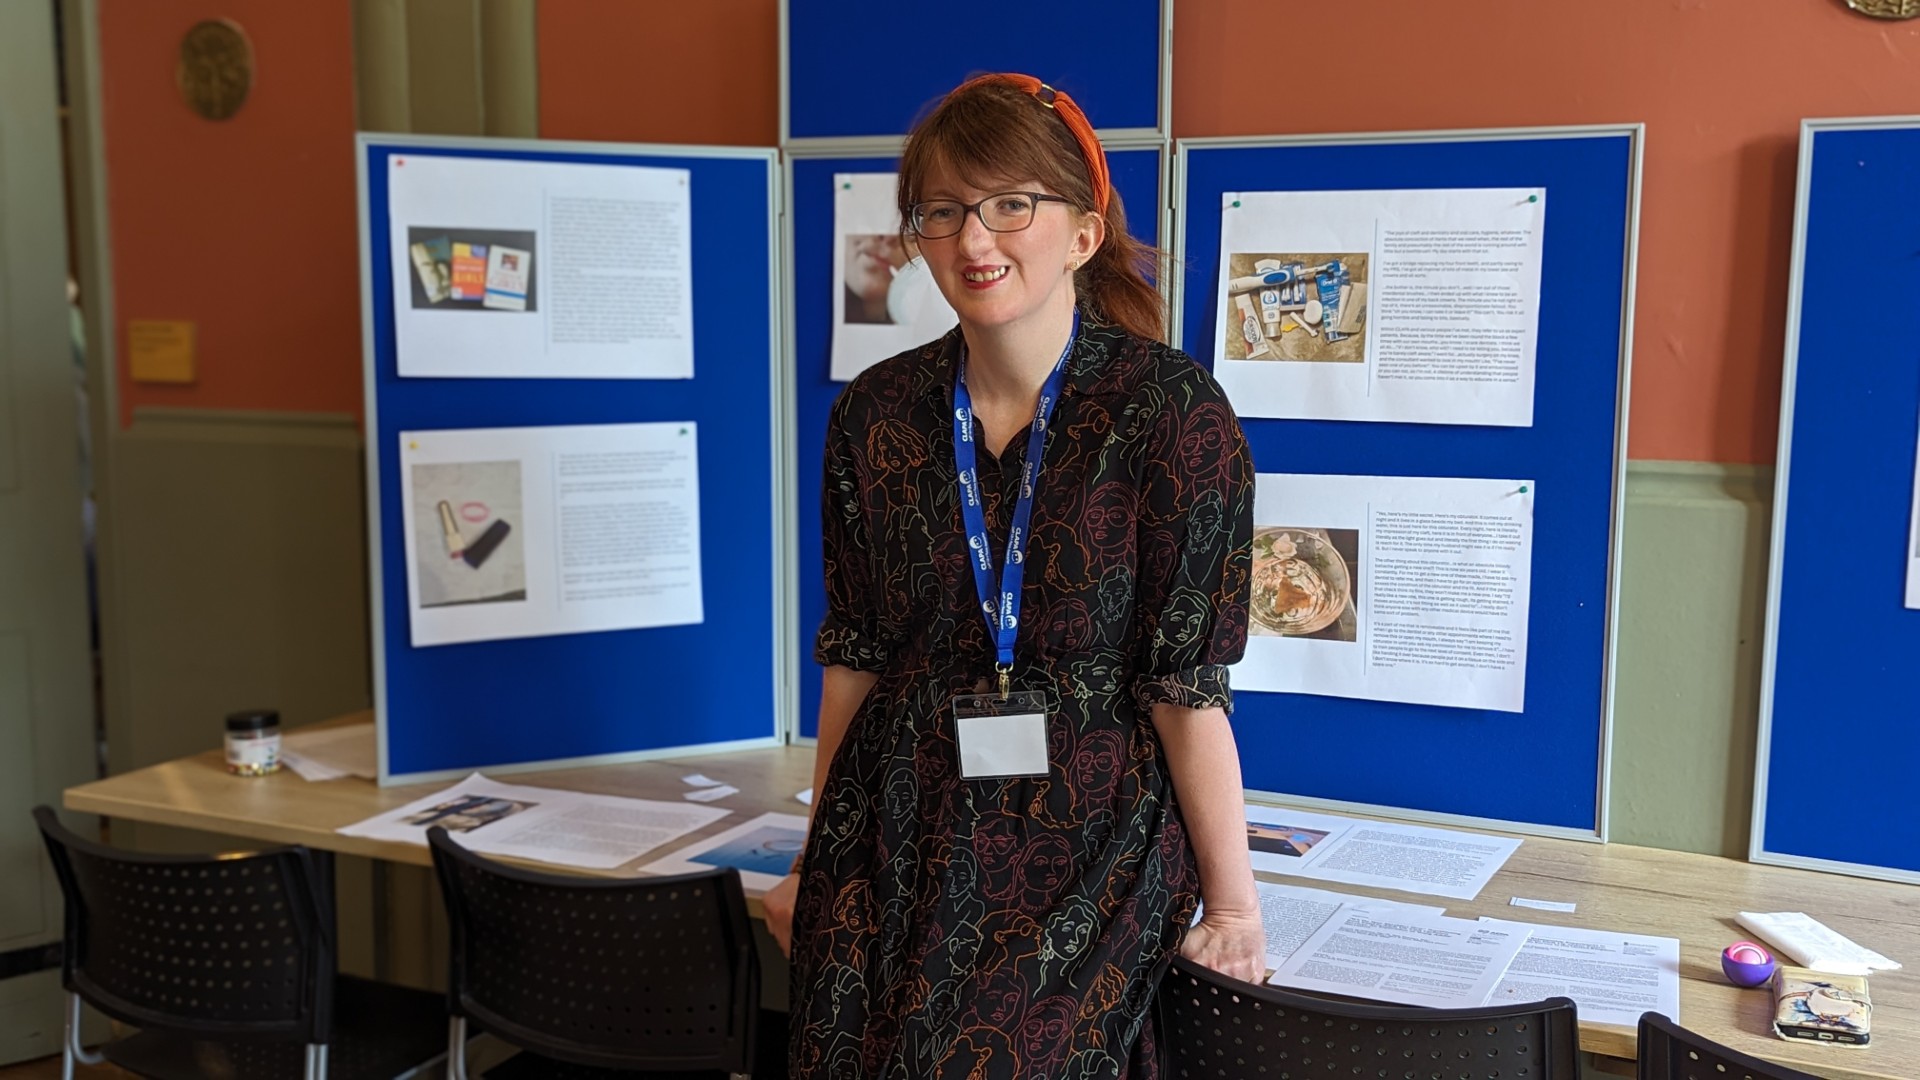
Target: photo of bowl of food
[[1301, 583]]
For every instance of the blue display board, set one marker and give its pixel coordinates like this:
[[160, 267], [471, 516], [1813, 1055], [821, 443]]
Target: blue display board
[[1540, 768], [869, 67], [1136, 176], [448, 708], [1840, 686]]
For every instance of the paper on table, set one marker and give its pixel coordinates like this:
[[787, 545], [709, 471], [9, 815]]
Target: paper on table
[[568, 828], [1379, 854], [332, 753], [762, 850], [1391, 588], [709, 794], [1281, 840], [1291, 913], [805, 797], [1542, 905], [1613, 978], [1405, 956], [699, 780], [308, 769]]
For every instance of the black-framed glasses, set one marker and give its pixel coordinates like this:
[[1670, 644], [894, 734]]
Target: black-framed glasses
[[1009, 211]]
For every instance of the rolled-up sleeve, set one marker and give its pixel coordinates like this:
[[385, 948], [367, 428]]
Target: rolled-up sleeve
[[1195, 550], [850, 635]]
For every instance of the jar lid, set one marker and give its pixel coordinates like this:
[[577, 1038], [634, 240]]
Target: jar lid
[[253, 719]]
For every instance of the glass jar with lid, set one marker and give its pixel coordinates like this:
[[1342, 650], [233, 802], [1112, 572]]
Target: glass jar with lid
[[253, 742]]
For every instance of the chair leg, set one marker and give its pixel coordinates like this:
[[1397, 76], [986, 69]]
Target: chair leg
[[316, 1061], [457, 1048], [70, 1048]]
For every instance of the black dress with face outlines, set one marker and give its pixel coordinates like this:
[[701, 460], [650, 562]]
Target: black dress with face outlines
[[1015, 928]]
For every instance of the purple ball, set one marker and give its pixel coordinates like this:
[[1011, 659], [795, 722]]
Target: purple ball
[[1747, 964]]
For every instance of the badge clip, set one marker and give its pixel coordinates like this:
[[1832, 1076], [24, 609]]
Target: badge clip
[[1006, 679]]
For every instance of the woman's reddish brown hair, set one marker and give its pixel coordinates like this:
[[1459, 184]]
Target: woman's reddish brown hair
[[991, 132]]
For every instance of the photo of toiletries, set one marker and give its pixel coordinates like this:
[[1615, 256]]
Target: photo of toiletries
[[467, 550], [1300, 306], [457, 269], [872, 261], [1305, 583]]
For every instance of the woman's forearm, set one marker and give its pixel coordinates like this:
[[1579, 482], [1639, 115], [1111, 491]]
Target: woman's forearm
[[1206, 780]]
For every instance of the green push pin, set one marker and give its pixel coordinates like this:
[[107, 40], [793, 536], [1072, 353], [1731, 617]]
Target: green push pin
[[848, 186], [1533, 198], [1236, 204], [1523, 489]]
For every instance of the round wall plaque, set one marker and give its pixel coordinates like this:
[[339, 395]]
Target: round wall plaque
[[1887, 9], [216, 68]]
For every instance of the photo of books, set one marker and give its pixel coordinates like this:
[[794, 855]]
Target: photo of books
[[458, 269]]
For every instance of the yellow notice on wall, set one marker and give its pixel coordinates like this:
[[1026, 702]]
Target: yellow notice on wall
[[160, 350]]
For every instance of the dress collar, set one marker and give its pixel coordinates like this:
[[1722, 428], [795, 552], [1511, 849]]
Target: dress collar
[[1092, 355]]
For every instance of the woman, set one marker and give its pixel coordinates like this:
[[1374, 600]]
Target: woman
[[1025, 776]]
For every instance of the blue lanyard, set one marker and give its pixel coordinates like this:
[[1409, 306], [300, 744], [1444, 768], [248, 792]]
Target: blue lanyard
[[1003, 618]]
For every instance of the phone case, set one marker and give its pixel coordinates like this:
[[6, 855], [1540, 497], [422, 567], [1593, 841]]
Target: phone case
[[1821, 1007]]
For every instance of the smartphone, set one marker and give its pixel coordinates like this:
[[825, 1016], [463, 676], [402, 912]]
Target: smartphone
[[1821, 1007]]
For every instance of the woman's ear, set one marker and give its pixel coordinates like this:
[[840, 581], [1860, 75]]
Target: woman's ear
[[1090, 233]]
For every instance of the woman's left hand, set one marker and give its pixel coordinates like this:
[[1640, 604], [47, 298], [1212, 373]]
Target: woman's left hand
[[1232, 943]]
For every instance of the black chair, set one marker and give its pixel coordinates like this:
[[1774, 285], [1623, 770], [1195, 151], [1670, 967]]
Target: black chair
[[1668, 1051], [598, 977], [226, 965], [1213, 1026]]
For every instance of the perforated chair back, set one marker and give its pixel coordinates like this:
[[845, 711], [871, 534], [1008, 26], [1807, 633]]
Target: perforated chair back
[[1213, 1026], [633, 973], [1668, 1051], [210, 945]]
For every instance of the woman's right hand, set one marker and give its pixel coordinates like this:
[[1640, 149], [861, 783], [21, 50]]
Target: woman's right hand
[[779, 902]]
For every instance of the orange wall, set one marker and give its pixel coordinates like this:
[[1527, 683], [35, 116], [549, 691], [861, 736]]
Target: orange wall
[[1722, 87], [703, 72], [246, 226]]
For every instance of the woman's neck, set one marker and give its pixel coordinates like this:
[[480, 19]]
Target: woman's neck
[[1007, 365]]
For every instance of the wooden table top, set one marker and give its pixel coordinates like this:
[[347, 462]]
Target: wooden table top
[[1615, 886]]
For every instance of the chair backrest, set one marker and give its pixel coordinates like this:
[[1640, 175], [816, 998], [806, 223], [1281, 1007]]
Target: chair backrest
[[628, 973], [1668, 1051], [210, 945], [1215, 1026]]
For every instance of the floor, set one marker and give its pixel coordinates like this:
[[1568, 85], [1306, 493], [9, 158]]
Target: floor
[[49, 1069]]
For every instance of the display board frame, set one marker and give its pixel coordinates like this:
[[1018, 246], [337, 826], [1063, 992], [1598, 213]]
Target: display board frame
[[1851, 231], [1442, 159], [587, 716], [1105, 39]]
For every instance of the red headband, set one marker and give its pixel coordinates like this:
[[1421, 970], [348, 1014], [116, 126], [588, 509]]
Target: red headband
[[1076, 122]]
